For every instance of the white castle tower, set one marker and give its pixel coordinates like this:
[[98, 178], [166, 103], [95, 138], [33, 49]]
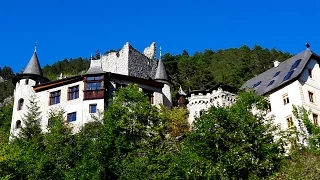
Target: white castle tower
[[31, 76], [161, 76]]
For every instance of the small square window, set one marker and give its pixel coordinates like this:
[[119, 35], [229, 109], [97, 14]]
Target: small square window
[[92, 108], [285, 98], [72, 117], [27, 81], [289, 121], [315, 119]]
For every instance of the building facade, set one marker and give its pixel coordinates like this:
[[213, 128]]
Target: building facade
[[82, 97], [295, 81]]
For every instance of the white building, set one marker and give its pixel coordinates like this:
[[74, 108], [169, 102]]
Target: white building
[[201, 100], [295, 81], [83, 96]]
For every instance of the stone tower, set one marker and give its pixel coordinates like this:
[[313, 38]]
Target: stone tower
[[31, 76], [161, 76]]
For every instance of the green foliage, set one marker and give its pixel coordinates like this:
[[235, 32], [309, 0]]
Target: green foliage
[[232, 66], [299, 166], [6, 87], [66, 67], [5, 122], [232, 143]]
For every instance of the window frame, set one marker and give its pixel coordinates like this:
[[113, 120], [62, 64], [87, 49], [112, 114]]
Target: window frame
[[285, 99], [289, 121], [20, 104], [90, 108], [91, 83], [18, 124], [315, 120], [311, 97], [73, 94], [53, 96], [71, 117]]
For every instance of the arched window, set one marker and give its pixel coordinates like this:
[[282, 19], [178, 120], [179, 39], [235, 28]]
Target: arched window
[[20, 104], [18, 124]]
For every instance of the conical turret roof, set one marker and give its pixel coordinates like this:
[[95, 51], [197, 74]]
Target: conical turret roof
[[33, 66], [181, 92], [161, 73]]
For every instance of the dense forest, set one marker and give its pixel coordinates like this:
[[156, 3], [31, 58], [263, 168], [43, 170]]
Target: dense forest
[[139, 141]]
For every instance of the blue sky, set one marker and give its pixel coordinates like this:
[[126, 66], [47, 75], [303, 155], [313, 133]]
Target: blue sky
[[77, 28]]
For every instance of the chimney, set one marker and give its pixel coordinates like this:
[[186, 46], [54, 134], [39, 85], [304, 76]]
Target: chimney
[[276, 63]]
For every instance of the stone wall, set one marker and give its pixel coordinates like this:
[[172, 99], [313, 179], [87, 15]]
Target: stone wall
[[117, 62], [139, 64]]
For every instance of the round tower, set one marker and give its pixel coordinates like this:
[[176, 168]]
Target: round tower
[[24, 82], [161, 76]]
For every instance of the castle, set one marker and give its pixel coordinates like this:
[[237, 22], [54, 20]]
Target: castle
[[295, 81], [83, 96]]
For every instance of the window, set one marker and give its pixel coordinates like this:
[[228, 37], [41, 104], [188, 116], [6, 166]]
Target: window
[[311, 97], [92, 108], [310, 73], [288, 75], [295, 64], [72, 117], [289, 121], [270, 83], [256, 84], [55, 97], [18, 124], [27, 81], [276, 74], [315, 118], [73, 92], [20, 104], [94, 83], [285, 98]]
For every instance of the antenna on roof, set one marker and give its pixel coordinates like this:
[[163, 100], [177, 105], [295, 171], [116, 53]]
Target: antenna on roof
[[307, 45], [91, 57], [35, 47]]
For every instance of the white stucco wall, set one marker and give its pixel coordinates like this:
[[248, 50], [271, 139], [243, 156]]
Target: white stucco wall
[[280, 110], [22, 91], [311, 84]]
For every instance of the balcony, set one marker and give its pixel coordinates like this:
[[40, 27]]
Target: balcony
[[93, 94]]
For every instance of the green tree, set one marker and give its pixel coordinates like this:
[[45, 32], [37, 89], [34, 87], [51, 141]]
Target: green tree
[[231, 143]]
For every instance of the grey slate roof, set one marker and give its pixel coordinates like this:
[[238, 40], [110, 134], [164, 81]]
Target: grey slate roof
[[95, 67], [284, 67], [161, 73], [33, 66]]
